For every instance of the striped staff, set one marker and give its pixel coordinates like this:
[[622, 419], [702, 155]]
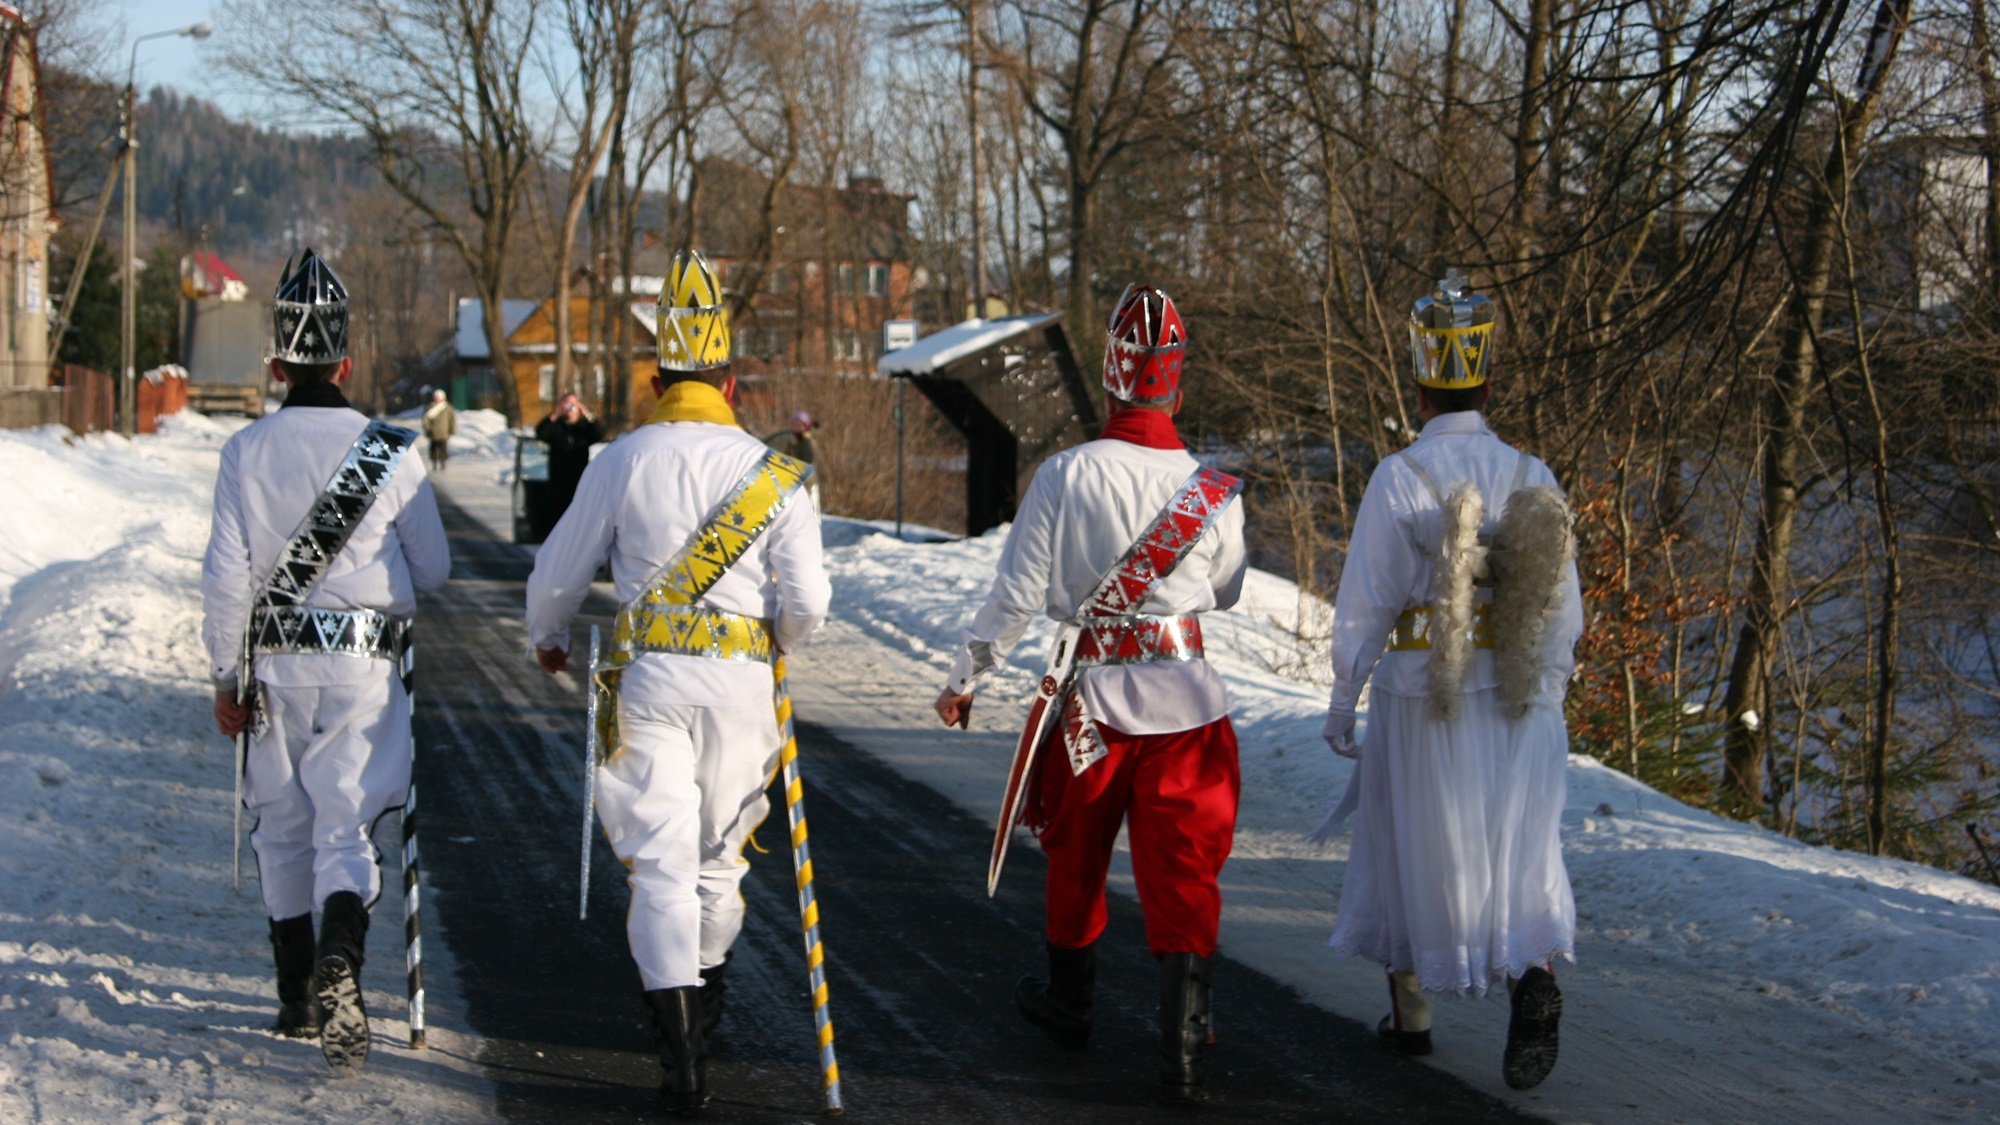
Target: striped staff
[[413, 928], [795, 814]]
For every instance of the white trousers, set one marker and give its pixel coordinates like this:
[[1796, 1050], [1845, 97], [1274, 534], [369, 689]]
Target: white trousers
[[333, 761], [678, 803]]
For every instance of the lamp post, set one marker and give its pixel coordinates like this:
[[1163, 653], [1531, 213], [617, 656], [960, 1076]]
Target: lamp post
[[128, 134]]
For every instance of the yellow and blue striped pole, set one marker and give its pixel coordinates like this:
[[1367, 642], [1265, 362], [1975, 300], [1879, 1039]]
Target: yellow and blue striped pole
[[795, 814]]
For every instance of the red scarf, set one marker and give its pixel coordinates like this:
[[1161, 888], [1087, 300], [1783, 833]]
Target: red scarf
[[1153, 429]]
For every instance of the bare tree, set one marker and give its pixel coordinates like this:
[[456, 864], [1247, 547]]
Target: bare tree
[[602, 37], [1747, 703], [437, 89], [1096, 74]]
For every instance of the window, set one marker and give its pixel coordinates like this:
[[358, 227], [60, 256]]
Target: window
[[743, 343], [548, 384], [846, 279], [878, 281]]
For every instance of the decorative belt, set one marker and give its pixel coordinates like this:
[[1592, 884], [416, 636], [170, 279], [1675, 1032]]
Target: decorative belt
[[1138, 638], [301, 630], [690, 630], [1413, 629]]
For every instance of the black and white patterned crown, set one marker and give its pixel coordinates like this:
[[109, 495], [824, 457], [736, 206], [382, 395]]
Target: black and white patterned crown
[[309, 313]]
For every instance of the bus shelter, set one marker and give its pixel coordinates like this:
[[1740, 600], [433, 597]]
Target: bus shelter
[[1011, 388]]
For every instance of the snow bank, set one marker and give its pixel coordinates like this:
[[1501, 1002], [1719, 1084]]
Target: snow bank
[[133, 984], [1724, 972]]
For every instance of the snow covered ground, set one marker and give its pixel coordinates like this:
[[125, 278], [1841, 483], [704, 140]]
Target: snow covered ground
[[134, 984], [1724, 973]]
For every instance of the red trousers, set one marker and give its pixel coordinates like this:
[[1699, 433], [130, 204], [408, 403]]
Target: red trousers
[[1178, 792]]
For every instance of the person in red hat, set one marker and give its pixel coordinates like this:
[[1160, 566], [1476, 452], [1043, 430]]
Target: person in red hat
[[1126, 540]]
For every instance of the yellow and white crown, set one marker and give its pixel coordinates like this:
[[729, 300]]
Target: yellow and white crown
[[1451, 336], [693, 325]]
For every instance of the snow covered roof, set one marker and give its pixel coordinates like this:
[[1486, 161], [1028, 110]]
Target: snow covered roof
[[943, 348], [470, 342]]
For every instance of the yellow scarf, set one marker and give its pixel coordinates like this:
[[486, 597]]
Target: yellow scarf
[[693, 401]]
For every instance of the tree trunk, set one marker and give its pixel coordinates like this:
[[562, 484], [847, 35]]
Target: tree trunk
[[1989, 138], [1746, 705], [1528, 139]]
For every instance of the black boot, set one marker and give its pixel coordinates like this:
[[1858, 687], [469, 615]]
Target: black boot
[[677, 1019], [1531, 1032], [336, 982], [1184, 981], [713, 990], [299, 1014], [1061, 1004]]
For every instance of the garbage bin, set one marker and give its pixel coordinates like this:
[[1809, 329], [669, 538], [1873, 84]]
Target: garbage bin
[[534, 500]]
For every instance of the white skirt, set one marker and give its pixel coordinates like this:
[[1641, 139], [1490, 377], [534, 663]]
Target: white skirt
[[1456, 872]]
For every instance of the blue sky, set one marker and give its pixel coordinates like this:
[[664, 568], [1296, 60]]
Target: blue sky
[[173, 61]]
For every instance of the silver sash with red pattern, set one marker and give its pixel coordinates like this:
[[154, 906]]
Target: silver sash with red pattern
[[1110, 627]]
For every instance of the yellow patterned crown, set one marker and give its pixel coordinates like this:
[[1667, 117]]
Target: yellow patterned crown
[[693, 326], [1451, 336]]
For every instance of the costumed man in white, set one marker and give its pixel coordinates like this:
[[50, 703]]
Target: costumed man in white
[[323, 534], [1459, 596], [692, 736], [1128, 539]]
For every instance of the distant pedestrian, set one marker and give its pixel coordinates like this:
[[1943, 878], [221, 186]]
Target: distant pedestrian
[[440, 422], [1459, 601], [796, 441], [306, 633], [569, 431]]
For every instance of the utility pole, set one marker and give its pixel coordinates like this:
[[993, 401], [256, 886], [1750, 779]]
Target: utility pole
[[128, 298], [978, 159], [128, 389]]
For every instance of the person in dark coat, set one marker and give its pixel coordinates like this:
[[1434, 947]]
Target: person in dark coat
[[796, 440], [569, 431]]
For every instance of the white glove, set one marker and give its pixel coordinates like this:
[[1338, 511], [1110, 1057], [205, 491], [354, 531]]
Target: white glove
[[1339, 734]]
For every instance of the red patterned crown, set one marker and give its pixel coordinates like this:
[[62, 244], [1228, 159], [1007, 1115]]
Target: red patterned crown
[[1142, 357]]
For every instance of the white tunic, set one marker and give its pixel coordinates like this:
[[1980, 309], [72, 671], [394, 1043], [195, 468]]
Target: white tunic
[[640, 500], [272, 471], [1456, 871], [1085, 508]]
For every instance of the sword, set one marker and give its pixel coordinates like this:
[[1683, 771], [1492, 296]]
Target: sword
[[236, 820], [590, 754], [242, 747], [1047, 699]]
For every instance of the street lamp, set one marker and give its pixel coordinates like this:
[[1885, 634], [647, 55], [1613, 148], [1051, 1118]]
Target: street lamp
[[128, 393]]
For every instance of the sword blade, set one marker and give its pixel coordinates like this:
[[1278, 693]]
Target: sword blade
[[591, 750], [242, 748], [1014, 799]]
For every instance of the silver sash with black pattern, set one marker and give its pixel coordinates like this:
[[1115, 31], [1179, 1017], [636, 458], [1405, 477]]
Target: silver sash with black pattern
[[280, 621]]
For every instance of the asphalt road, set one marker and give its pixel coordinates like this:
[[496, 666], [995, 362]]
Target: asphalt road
[[920, 963]]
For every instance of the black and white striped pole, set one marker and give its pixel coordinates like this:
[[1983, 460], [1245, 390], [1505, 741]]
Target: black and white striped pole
[[413, 926]]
